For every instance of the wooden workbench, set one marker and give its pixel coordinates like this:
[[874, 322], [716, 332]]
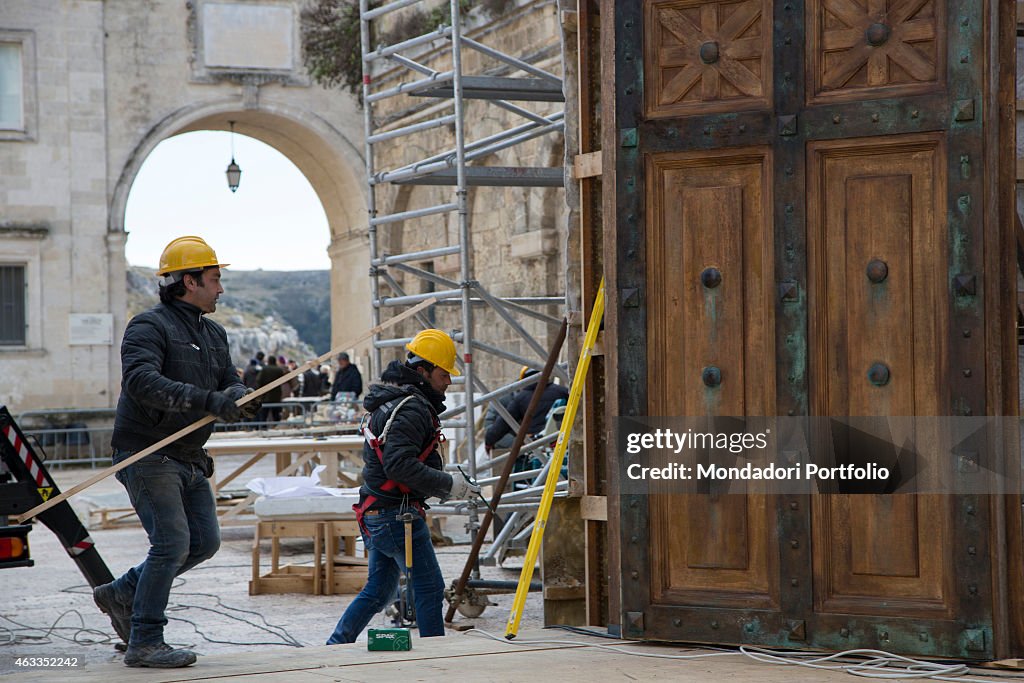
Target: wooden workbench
[[291, 453]]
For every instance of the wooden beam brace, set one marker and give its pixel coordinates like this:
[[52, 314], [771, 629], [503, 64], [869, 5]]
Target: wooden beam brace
[[586, 165]]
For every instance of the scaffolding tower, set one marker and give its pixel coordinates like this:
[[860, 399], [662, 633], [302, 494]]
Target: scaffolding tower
[[524, 82]]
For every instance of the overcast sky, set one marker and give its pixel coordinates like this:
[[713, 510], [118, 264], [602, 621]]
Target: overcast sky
[[274, 221]]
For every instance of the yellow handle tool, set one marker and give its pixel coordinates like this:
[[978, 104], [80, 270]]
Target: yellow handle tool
[[556, 465], [407, 520]]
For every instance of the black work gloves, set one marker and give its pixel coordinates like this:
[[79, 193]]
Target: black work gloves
[[220, 404], [250, 409]]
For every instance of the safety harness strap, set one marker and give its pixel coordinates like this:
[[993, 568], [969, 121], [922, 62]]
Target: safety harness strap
[[376, 442]]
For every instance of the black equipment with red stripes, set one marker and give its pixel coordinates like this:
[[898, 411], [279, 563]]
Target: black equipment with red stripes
[[24, 484]]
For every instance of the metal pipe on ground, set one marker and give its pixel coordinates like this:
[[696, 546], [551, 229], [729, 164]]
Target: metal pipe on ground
[[498, 584]]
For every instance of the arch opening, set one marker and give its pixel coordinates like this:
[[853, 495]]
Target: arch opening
[[320, 154]]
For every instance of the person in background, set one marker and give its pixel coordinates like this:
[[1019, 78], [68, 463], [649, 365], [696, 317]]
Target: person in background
[[311, 383], [286, 388], [346, 378], [175, 370], [325, 378], [295, 383], [520, 401], [267, 375], [252, 371], [493, 416], [289, 388]]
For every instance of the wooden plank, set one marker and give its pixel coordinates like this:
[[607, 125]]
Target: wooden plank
[[591, 244], [587, 165], [1001, 335], [564, 593], [563, 564], [624, 233], [594, 508], [598, 345], [135, 457]]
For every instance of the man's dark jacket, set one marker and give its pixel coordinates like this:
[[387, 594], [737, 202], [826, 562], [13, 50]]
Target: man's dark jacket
[[410, 433], [267, 375], [311, 383], [348, 379], [172, 358], [251, 373], [520, 402]]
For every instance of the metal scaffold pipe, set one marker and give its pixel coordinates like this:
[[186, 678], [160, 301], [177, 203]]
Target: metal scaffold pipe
[[390, 7], [464, 240], [385, 51], [424, 255], [371, 204], [417, 61]]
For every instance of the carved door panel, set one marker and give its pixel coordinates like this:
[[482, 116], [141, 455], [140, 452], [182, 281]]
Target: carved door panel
[[708, 316], [877, 274], [798, 189]]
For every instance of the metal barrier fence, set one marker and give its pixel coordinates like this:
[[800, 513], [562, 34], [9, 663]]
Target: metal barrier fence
[[63, 438], [76, 444]]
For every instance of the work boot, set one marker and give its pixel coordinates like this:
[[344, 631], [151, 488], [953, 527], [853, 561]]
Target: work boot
[[120, 615], [160, 656]]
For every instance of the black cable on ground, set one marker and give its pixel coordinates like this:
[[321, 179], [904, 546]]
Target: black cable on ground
[[221, 608], [81, 635]]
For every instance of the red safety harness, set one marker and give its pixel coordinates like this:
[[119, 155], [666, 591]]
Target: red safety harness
[[376, 442]]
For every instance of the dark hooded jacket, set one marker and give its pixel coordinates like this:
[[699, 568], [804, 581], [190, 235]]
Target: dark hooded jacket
[[347, 379], [411, 431], [520, 402], [172, 358]]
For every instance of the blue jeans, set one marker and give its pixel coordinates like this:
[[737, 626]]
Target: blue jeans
[[175, 504], [386, 543]]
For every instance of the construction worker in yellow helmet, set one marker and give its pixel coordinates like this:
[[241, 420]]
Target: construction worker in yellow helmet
[[499, 429], [176, 369], [402, 468]]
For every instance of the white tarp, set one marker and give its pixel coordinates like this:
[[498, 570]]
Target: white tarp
[[296, 487]]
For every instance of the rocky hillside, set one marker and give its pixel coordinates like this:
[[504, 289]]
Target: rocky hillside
[[285, 313]]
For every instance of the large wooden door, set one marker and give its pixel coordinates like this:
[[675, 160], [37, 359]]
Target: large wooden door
[[809, 220]]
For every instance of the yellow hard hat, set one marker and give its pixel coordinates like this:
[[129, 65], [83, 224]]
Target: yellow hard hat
[[187, 253], [522, 373], [436, 347]]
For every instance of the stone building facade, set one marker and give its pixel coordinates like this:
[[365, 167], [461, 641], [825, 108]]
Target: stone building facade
[[103, 83]]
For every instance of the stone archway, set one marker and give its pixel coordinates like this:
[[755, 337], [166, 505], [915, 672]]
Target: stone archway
[[328, 160]]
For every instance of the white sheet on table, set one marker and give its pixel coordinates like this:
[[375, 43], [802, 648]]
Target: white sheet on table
[[296, 487]]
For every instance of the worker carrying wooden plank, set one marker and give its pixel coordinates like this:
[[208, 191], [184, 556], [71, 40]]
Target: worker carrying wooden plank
[[176, 369]]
